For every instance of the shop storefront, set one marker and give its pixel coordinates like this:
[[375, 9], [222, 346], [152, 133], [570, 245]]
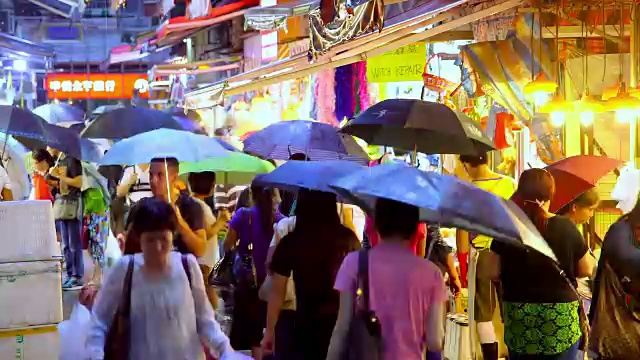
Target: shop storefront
[[90, 91]]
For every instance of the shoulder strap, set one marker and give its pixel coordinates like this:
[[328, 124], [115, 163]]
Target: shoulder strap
[[126, 288], [185, 266], [250, 243], [363, 277]]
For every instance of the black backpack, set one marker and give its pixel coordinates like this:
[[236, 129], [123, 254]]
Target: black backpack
[[365, 331]]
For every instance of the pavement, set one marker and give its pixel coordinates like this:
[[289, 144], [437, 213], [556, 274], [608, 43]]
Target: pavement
[[69, 299]]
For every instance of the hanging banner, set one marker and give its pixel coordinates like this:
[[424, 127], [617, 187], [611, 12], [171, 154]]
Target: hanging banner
[[403, 64]]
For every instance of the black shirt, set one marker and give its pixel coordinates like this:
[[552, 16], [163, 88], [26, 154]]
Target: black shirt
[[74, 169], [530, 277], [314, 260], [192, 213]]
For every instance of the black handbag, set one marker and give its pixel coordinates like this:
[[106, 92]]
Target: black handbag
[[222, 274], [365, 331], [244, 268]]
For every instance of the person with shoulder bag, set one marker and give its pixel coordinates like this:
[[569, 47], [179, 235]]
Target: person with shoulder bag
[[615, 307], [250, 232], [171, 316], [67, 211], [371, 324]]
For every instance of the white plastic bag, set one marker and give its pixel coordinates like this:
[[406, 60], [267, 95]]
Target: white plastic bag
[[112, 252], [73, 334]]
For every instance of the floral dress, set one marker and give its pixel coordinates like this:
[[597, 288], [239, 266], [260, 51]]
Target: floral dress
[[96, 223]]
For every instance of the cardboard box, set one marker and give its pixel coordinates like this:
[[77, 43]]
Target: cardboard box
[[30, 294], [32, 343], [28, 231]]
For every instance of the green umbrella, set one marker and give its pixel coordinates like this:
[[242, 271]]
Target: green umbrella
[[236, 169]]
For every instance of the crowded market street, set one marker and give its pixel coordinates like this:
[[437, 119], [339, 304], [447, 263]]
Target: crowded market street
[[319, 180]]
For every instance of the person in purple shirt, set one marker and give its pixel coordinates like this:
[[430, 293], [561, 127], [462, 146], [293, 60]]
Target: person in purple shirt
[[407, 293], [252, 228]]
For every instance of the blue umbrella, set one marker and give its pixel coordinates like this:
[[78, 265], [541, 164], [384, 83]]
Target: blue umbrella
[[444, 200], [312, 175], [317, 140], [163, 143], [227, 146], [59, 113], [126, 122]]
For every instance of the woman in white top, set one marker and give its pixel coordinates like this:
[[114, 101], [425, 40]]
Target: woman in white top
[[170, 315], [134, 184]]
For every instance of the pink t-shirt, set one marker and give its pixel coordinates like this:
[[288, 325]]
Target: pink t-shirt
[[374, 238], [403, 288]]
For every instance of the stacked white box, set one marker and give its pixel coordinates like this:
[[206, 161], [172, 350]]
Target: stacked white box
[[33, 343], [30, 281], [27, 231], [30, 294]]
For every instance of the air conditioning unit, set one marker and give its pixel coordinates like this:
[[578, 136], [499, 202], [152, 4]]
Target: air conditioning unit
[[7, 22]]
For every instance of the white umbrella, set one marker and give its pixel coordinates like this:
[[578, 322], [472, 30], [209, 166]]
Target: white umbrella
[[13, 159]]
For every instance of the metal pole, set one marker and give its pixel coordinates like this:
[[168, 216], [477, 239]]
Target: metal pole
[[633, 61]]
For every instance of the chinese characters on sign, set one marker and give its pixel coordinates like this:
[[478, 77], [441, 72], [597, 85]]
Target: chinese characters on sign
[[97, 86], [83, 86], [403, 64]]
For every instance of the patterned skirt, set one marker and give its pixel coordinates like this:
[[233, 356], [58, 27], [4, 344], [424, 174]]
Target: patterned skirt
[[541, 329], [97, 227]]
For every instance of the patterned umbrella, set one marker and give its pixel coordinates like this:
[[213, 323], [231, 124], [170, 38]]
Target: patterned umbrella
[[317, 140]]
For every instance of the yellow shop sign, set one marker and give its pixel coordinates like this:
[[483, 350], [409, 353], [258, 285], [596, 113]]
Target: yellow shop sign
[[403, 64]]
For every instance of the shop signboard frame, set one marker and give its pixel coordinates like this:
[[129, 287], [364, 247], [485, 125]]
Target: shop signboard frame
[[403, 64], [84, 86]]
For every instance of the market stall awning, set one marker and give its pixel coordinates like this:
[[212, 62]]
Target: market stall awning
[[196, 68], [21, 47], [181, 27], [147, 52], [275, 17], [393, 36], [205, 97]]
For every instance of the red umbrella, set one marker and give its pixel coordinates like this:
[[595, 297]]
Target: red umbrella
[[577, 174]]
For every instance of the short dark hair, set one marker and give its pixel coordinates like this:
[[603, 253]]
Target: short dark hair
[[172, 163], [151, 214], [475, 160], [201, 183], [299, 157], [393, 218], [42, 155], [584, 200]]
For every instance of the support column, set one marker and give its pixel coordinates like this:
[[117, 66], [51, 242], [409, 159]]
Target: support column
[[633, 82]]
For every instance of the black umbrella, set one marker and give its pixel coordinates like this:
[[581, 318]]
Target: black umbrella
[[126, 122], [189, 113], [35, 132], [422, 126]]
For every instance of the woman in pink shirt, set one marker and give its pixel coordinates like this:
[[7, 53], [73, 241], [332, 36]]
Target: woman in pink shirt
[[407, 293]]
